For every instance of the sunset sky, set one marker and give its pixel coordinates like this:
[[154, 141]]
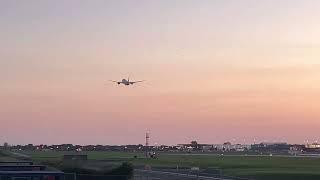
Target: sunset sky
[[215, 71]]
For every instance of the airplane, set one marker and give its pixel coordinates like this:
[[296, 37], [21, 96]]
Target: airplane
[[126, 82]]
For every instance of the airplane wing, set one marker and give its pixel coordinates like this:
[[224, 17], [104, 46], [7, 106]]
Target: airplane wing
[[115, 81], [136, 82]]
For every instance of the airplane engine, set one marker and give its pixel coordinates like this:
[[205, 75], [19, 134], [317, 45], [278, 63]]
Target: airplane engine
[[118, 83]]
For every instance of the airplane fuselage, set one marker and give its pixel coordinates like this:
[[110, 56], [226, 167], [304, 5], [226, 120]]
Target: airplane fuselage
[[125, 82]]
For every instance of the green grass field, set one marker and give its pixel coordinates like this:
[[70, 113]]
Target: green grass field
[[245, 166]]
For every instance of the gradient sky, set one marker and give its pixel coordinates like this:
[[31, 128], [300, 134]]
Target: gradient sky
[[215, 70]]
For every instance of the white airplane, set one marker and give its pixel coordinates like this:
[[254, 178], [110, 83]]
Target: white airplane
[[126, 82]]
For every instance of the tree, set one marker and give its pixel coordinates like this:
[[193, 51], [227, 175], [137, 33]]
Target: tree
[[195, 145], [126, 169], [5, 146]]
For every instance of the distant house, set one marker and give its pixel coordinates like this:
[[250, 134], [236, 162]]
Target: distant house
[[271, 147], [296, 149], [26, 170]]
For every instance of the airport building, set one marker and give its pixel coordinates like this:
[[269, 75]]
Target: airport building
[[313, 146]]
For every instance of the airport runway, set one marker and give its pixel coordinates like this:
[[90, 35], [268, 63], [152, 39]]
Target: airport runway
[[20, 154], [243, 155], [158, 175]]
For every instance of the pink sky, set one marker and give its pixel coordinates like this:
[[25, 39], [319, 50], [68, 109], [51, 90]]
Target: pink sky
[[215, 71]]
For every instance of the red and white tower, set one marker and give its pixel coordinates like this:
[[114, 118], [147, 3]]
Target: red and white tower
[[147, 139], [147, 144]]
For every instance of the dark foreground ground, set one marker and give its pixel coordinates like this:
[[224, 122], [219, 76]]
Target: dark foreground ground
[[251, 167]]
